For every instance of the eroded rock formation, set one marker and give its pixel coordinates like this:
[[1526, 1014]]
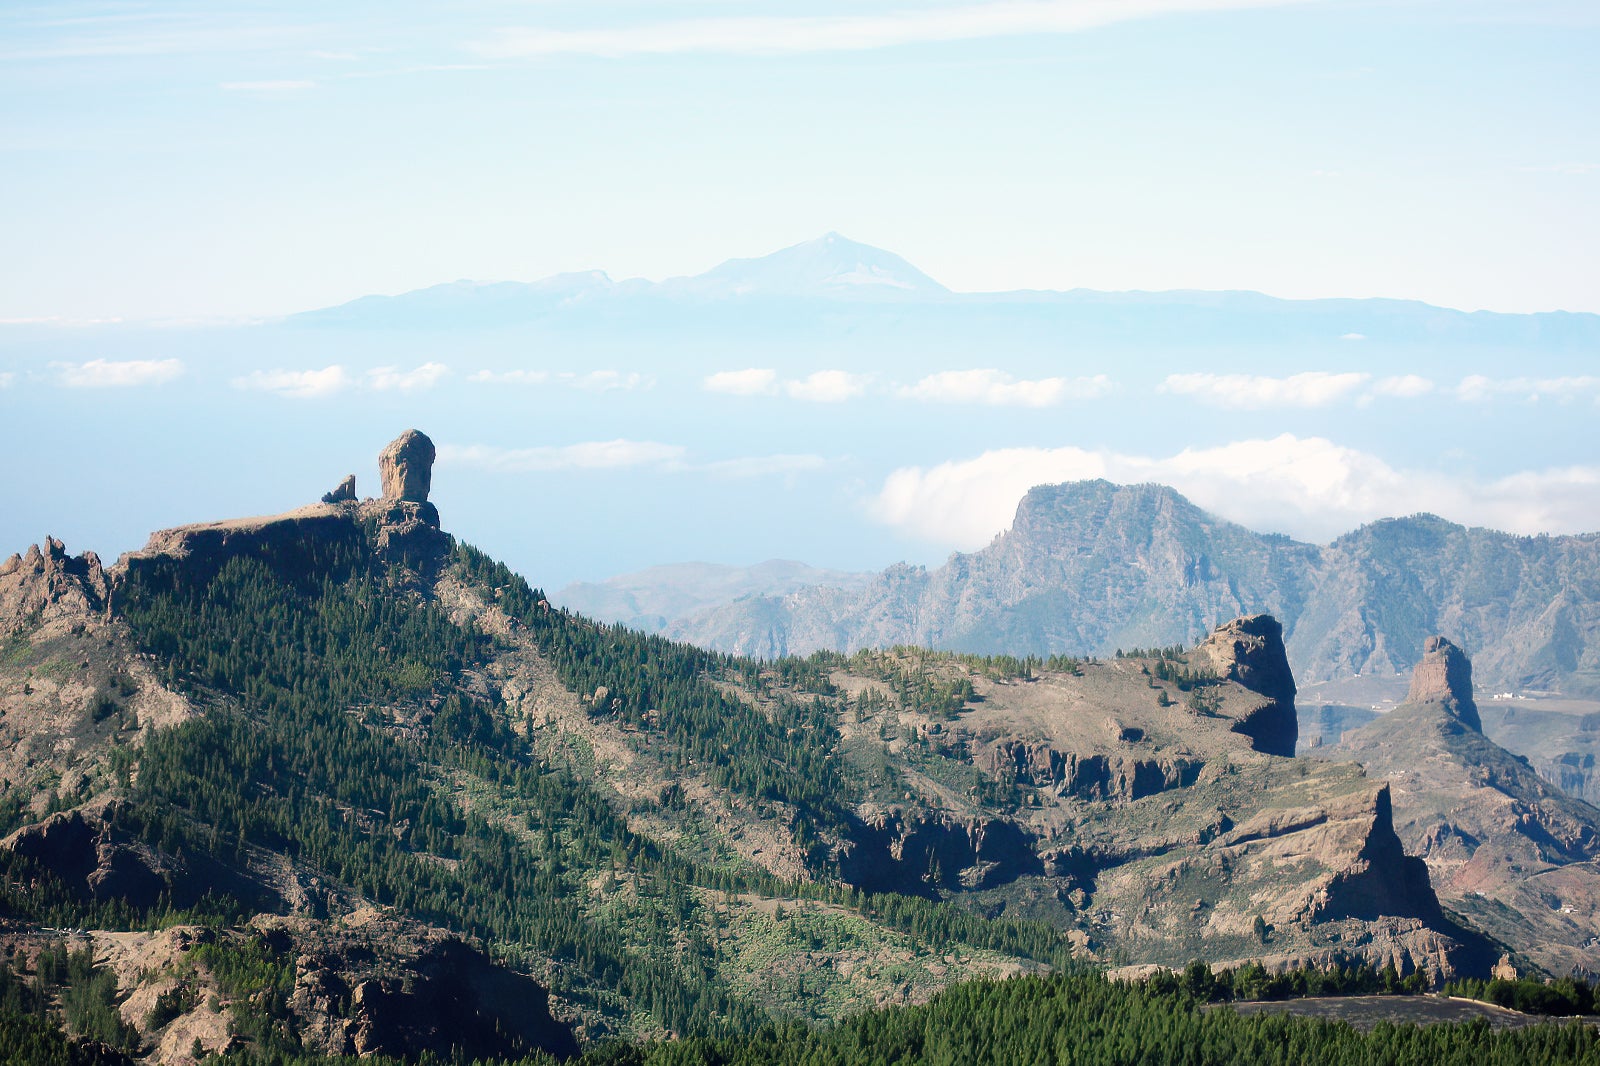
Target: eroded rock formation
[[406, 467], [1250, 650], [344, 493], [1445, 676], [49, 582]]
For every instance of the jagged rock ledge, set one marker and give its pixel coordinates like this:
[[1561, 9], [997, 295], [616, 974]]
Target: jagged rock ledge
[[402, 525]]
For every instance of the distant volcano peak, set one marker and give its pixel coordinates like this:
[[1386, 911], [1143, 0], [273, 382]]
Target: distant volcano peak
[[831, 264]]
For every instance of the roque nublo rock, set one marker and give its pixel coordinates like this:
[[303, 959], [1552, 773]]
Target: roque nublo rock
[[406, 467]]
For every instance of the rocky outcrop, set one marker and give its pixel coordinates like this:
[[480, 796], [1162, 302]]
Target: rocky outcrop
[[47, 582], [1445, 676], [1504, 848], [344, 493], [1250, 651], [381, 986], [408, 525], [1090, 776], [1383, 881], [94, 859], [403, 526], [923, 852], [203, 548], [406, 467]]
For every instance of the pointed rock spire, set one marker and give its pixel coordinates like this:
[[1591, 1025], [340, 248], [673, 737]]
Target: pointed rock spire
[[1445, 676]]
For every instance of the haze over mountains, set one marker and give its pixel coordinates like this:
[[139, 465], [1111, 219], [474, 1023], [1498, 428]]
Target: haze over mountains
[[834, 268], [827, 402], [1089, 567]]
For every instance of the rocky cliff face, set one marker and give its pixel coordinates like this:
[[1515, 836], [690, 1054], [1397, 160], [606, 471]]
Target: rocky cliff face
[[1444, 676], [1146, 802], [373, 985], [406, 467], [1089, 567], [405, 525], [1250, 651], [1503, 847]]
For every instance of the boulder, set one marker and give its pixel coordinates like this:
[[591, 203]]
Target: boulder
[[406, 467]]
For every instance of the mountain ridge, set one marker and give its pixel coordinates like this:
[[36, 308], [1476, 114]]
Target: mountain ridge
[[834, 268], [1087, 567], [383, 771]]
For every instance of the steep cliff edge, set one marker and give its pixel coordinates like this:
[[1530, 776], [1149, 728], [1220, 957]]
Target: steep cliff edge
[[1505, 848], [1250, 651], [402, 525], [1147, 802], [1089, 566]]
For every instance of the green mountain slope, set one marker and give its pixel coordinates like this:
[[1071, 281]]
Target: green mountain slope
[[330, 782]]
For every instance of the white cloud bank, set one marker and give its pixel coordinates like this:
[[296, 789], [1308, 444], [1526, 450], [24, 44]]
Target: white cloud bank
[[828, 386], [391, 379], [1310, 488], [769, 35], [509, 377], [297, 384], [108, 374], [824, 386], [999, 389], [755, 381]]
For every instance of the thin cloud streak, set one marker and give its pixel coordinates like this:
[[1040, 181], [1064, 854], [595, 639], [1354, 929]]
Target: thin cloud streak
[[1314, 388], [996, 388], [113, 374], [1477, 388], [588, 455], [756, 381], [769, 35], [391, 379], [296, 384]]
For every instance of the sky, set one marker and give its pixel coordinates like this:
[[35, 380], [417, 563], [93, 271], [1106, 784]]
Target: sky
[[175, 178], [181, 161]]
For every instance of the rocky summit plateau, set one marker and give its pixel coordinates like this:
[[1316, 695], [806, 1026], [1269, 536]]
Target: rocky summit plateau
[[334, 782]]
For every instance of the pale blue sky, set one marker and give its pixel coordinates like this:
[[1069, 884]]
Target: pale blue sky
[[162, 160]]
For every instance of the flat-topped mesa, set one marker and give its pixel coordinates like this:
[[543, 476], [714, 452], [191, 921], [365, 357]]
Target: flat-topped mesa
[[1444, 676], [406, 467], [1250, 650]]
